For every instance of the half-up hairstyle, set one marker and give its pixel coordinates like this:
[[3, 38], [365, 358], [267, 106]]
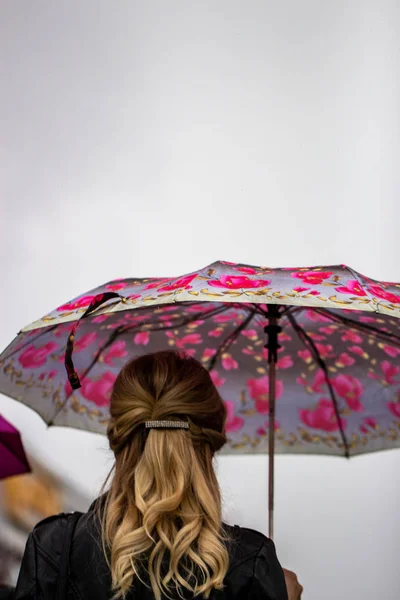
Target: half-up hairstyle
[[161, 522]]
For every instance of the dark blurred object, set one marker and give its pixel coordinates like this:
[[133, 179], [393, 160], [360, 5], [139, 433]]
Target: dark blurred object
[[13, 459]]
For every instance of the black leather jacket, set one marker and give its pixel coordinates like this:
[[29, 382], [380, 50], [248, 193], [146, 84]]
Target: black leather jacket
[[254, 573]]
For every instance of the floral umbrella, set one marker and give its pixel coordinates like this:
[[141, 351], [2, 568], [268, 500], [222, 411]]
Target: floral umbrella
[[324, 342]]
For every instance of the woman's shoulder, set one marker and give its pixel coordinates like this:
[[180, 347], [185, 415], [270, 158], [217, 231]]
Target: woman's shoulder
[[246, 542], [50, 532], [254, 570]]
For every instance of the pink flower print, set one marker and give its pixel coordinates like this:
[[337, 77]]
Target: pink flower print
[[142, 338], [116, 324], [225, 318], [391, 351], [209, 352], [367, 319], [379, 292], [229, 363], [114, 287], [285, 362], [320, 383], [216, 378], [233, 422], [389, 372], [368, 423], [259, 392], [327, 330], [215, 333], [247, 270], [52, 374], [305, 355], [83, 342], [190, 339], [262, 431], [165, 322], [195, 324], [301, 380], [182, 283], [173, 308], [82, 302], [62, 330], [300, 289], [345, 360], [99, 391], [248, 351], [193, 309], [394, 408], [314, 316], [353, 288], [324, 350], [165, 318], [321, 417], [189, 352], [352, 336], [251, 334], [312, 277], [284, 337], [356, 350], [276, 425], [33, 357], [350, 389], [236, 282], [156, 282], [100, 318], [117, 350], [317, 336]]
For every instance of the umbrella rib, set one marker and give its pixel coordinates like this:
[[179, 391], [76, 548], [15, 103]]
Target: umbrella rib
[[229, 340], [308, 342], [363, 327]]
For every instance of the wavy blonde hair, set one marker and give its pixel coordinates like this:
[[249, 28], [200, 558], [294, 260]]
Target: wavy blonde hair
[[161, 522]]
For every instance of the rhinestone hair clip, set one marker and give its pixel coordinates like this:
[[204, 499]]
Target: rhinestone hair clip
[[166, 425]]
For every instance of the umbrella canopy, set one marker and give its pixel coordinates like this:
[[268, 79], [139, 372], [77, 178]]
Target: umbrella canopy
[[323, 342], [218, 315], [13, 460]]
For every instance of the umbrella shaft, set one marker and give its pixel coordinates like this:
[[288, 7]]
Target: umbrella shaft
[[271, 447]]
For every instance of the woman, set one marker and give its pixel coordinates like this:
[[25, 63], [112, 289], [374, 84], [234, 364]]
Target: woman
[[157, 533]]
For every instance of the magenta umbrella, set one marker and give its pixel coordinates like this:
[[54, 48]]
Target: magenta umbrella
[[306, 359], [13, 459]]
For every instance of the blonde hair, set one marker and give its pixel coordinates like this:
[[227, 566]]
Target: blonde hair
[[161, 522]]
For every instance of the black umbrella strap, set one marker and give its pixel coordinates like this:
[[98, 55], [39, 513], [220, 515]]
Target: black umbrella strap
[[97, 301]]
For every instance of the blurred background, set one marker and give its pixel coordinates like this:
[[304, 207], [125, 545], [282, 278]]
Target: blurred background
[[152, 138]]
